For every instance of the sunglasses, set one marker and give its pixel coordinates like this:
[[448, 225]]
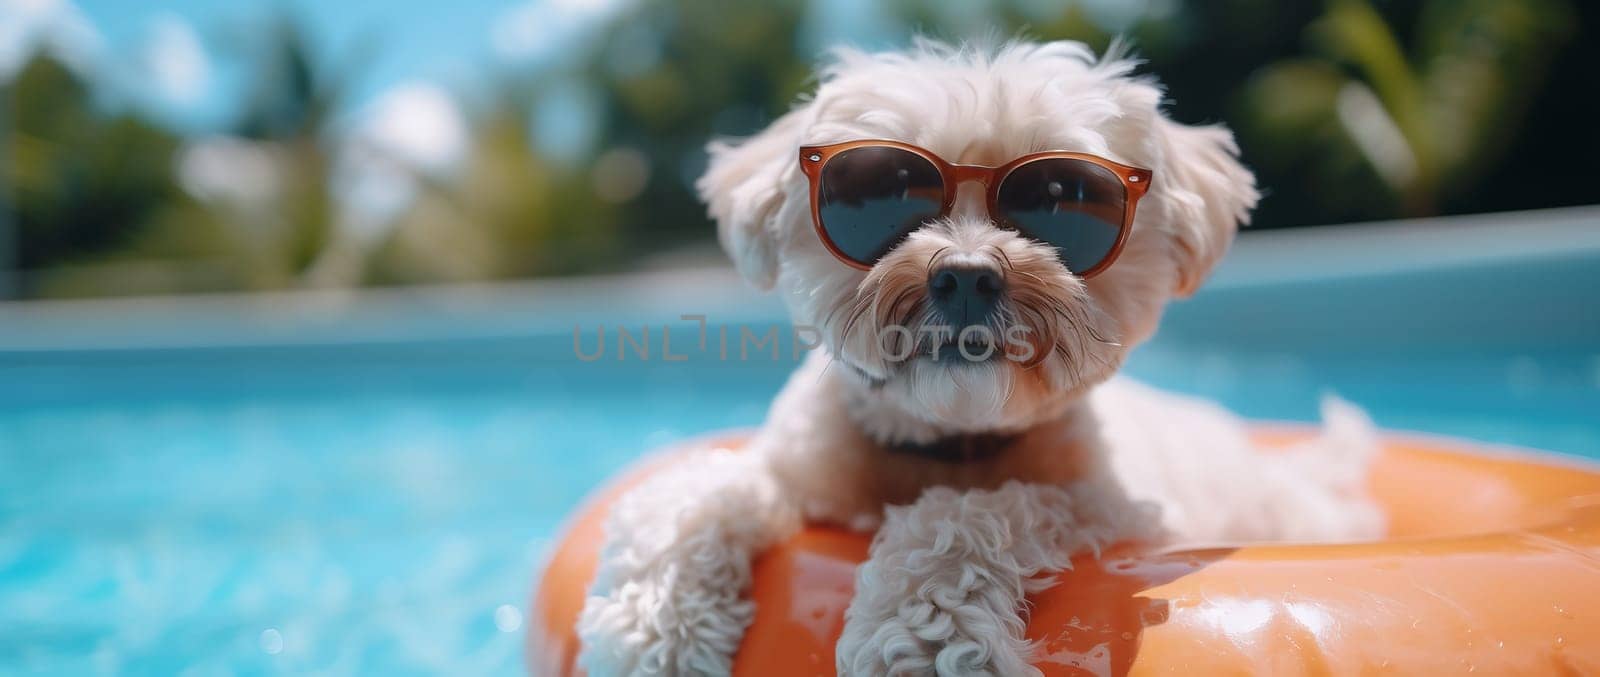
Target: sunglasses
[[867, 196]]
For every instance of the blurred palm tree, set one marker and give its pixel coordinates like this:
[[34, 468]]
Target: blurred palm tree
[[507, 213], [1420, 125], [289, 111], [669, 76]]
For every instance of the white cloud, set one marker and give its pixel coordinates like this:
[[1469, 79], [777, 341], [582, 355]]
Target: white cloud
[[414, 127], [29, 25], [417, 124], [540, 28], [176, 61]]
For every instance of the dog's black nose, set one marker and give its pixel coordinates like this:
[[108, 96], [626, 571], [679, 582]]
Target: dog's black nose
[[965, 295]]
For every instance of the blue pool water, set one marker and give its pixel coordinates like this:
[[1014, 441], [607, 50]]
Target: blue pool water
[[303, 499]]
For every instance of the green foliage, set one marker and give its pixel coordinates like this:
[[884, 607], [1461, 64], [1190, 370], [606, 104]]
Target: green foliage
[[1347, 110], [1419, 125], [80, 181]]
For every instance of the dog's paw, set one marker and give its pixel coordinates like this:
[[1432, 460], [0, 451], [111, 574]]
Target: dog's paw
[[876, 643], [940, 634], [938, 595], [942, 589], [668, 595], [659, 628]]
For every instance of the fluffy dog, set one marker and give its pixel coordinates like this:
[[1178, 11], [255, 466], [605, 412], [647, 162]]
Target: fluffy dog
[[981, 478]]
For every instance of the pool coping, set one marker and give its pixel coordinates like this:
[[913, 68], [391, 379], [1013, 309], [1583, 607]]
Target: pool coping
[[544, 306]]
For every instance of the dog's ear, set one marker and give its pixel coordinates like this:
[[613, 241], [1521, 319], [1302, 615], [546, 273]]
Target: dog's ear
[[743, 189], [1210, 194]]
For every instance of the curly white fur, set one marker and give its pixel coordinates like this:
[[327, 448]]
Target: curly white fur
[[668, 596], [1213, 484], [946, 575], [1095, 459]]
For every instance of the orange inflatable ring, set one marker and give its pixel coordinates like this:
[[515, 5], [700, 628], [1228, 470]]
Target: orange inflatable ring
[[1492, 565]]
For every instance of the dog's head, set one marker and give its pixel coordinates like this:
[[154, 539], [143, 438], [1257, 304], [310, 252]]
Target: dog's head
[[982, 107]]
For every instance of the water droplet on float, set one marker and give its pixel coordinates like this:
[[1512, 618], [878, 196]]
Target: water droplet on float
[[271, 641], [507, 618]]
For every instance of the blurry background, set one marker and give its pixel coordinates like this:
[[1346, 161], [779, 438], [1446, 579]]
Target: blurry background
[[335, 415], [200, 145]]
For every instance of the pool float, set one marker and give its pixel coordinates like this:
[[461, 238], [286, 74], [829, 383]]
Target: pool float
[[1491, 565]]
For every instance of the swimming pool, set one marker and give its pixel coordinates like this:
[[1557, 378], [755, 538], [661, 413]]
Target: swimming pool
[[364, 483]]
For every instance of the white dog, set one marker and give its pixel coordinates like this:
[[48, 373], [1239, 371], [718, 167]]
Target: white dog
[[981, 476]]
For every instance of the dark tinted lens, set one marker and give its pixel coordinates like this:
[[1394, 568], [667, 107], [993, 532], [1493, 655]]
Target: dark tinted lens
[[873, 196], [1073, 205]]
